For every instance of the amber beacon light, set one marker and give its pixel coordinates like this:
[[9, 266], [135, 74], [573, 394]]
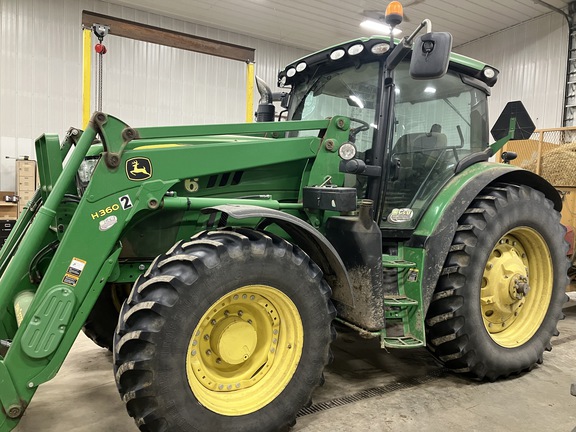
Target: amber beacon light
[[394, 13]]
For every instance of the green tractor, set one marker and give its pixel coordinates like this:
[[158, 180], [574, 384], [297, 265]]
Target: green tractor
[[215, 260]]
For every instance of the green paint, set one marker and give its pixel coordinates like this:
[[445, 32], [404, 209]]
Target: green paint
[[130, 213]]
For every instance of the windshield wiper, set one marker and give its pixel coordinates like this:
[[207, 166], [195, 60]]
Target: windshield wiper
[[451, 105]]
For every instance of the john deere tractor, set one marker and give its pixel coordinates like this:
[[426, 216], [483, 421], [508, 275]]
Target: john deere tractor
[[214, 260]]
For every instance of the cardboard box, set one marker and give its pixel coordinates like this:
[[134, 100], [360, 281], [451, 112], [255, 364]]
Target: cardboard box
[[26, 166], [8, 210]]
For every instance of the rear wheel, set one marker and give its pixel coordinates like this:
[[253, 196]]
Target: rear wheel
[[501, 291], [229, 331]]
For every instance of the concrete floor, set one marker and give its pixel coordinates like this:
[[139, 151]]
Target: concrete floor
[[410, 393]]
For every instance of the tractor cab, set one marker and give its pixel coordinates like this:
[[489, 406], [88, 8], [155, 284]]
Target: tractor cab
[[410, 133]]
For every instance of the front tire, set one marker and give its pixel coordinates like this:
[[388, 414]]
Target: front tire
[[229, 331], [500, 294]]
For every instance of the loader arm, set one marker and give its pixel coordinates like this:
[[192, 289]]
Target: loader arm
[[134, 176]]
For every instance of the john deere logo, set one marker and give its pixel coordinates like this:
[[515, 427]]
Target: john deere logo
[[138, 169]]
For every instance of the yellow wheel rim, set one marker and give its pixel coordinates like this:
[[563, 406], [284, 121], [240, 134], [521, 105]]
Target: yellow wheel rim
[[516, 287], [245, 350]]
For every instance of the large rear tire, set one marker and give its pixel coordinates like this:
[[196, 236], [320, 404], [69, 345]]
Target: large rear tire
[[228, 331], [500, 294]]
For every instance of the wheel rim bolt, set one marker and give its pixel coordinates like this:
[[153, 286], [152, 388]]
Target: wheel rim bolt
[[240, 313], [249, 321], [206, 337], [213, 322], [218, 360], [208, 352]]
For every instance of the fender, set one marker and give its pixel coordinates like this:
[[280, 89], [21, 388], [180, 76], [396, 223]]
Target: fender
[[306, 237], [436, 241]]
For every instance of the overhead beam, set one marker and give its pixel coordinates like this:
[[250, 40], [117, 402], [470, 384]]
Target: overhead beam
[[157, 35]]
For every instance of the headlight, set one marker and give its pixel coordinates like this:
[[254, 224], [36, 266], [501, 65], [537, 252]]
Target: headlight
[[86, 170], [337, 54], [347, 151], [300, 66], [355, 49], [489, 73]]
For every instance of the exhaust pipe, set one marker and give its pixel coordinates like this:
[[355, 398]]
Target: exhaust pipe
[[266, 109]]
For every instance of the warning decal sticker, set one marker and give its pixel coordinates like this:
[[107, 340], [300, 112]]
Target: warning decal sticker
[[74, 271]]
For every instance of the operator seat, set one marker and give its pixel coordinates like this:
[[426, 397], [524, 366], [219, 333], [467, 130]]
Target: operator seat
[[417, 154], [420, 151]]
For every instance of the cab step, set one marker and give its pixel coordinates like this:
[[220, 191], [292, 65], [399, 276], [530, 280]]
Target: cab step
[[400, 342]]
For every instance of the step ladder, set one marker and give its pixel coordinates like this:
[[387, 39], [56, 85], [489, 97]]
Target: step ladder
[[401, 309]]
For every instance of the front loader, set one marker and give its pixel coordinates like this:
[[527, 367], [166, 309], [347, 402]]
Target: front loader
[[213, 260]]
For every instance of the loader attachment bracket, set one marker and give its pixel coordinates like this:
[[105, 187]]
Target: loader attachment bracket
[[109, 128]]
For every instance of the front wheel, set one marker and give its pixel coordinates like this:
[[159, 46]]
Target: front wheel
[[228, 331], [500, 294]]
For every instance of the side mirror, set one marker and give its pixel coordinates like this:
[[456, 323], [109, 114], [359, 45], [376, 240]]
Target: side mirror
[[523, 128], [431, 55]]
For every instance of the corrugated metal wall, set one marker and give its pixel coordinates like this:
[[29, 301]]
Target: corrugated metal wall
[[532, 59], [144, 84]]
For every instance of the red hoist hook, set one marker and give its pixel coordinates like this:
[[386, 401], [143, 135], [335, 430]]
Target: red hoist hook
[[100, 48], [100, 31]]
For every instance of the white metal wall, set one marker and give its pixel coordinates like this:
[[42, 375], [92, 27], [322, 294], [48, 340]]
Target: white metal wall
[[144, 84], [532, 59]]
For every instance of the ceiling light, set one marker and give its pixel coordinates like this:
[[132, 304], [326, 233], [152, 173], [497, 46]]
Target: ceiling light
[[357, 101], [379, 27], [430, 90]]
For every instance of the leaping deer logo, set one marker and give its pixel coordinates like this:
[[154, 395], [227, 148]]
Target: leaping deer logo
[[138, 169]]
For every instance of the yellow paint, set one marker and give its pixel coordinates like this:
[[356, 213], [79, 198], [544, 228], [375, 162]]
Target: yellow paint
[[105, 211], [249, 92], [245, 350], [86, 75], [157, 146], [512, 313]]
